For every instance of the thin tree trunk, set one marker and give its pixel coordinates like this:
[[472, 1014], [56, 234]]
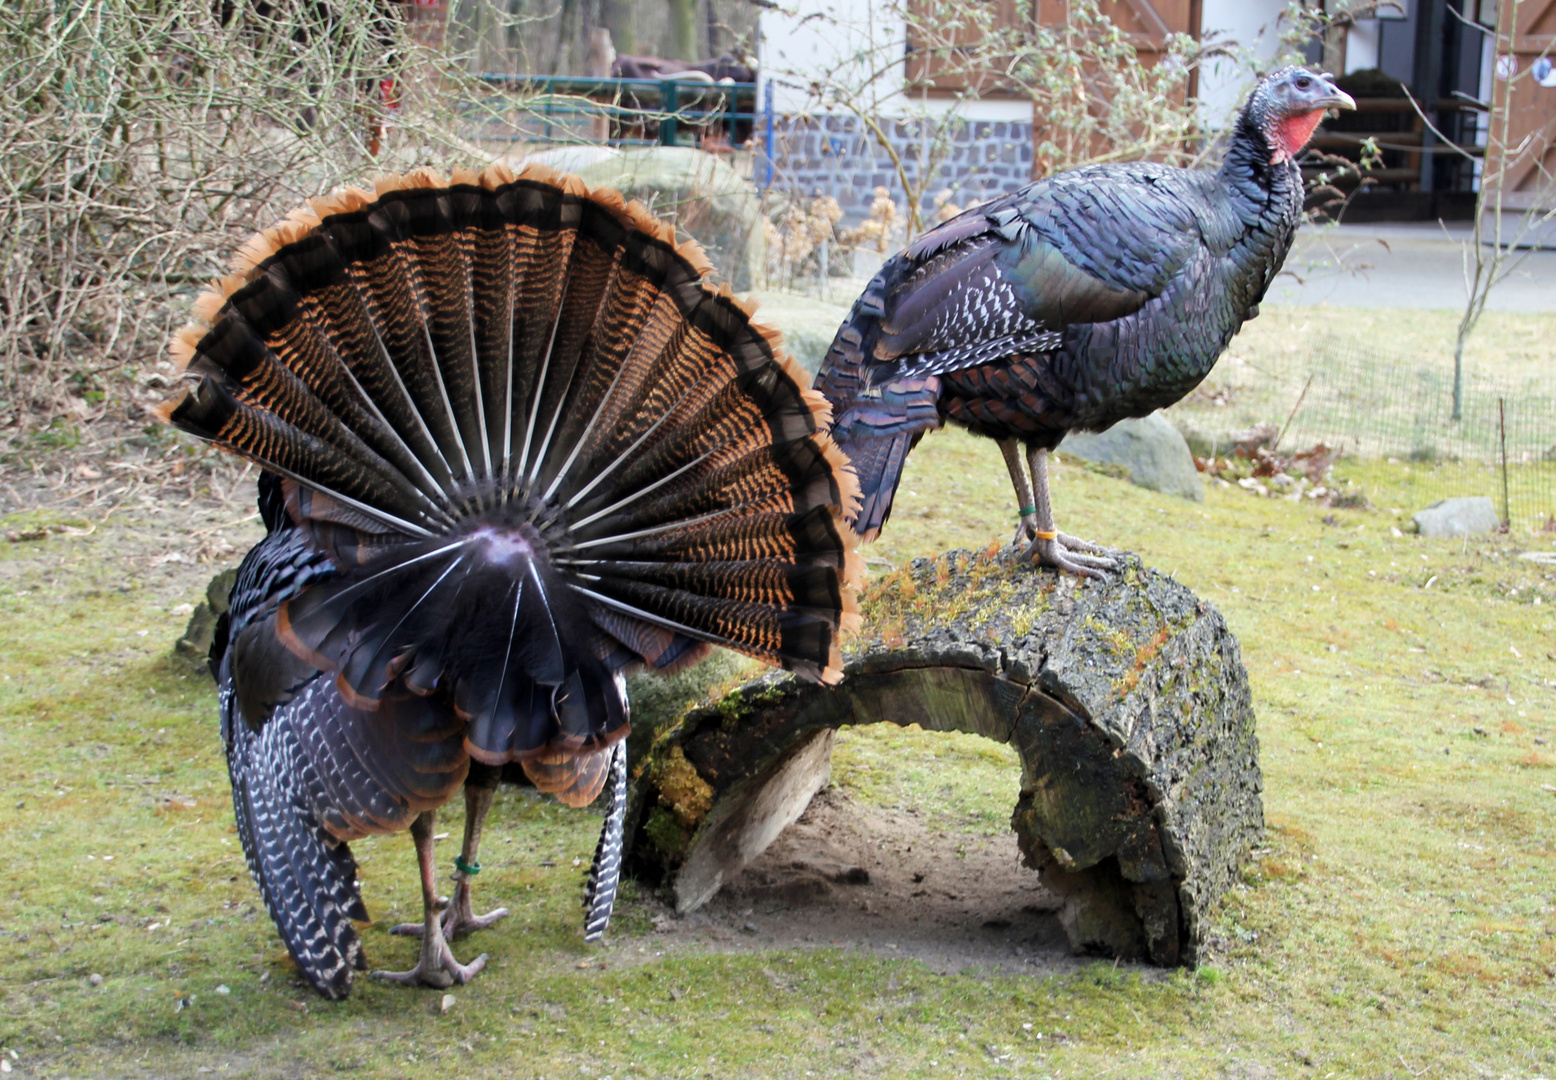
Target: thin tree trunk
[[1458, 374], [683, 29], [567, 36], [617, 17]]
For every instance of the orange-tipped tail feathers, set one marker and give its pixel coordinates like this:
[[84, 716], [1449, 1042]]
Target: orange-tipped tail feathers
[[537, 443]]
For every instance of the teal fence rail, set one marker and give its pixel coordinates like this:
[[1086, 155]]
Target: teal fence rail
[[666, 112]]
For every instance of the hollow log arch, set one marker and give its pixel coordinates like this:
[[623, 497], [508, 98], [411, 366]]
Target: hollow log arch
[[1127, 703]]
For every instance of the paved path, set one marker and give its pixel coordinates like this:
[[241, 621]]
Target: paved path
[[1402, 266], [1375, 266]]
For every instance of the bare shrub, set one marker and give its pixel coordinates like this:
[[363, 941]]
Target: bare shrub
[[1097, 99], [142, 140]]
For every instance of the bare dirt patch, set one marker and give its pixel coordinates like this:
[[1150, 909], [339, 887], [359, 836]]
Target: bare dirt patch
[[851, 875]]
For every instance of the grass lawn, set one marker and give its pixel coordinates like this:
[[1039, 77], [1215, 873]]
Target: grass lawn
[[1400, 920]]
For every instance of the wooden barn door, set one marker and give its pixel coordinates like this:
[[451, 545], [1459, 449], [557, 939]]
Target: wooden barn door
[[1526, 48], [1148, 23], [933, 60]]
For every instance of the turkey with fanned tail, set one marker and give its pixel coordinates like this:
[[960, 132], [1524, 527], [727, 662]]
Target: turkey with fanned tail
[[515, 446]]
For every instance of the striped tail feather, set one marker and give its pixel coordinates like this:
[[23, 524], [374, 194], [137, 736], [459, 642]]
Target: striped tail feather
[[605, 871], [538, 445], [308, 880]]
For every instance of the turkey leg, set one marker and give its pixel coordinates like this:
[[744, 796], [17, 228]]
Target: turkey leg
[[1054, 548], [459, 919], [436, 966], [1026, 510]]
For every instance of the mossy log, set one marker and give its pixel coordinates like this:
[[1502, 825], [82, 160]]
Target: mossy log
[[1127, 703]]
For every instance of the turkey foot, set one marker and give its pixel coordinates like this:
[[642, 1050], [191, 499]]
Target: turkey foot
[[436, 966], [1049, 547], [1058, 553], [459, 918]]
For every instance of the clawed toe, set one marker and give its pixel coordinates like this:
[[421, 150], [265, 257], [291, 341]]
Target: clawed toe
[[1085, 558], [416, 929], [441, 973], [457, 926], [1075, 544], [1058, 555]]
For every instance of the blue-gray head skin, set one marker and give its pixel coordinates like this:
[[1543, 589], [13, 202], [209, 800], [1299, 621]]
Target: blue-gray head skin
[[1287, 105]]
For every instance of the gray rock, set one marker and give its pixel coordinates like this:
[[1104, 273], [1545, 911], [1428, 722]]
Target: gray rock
[[1127, 702], [573, 159], [201, 632], [1473, 515], [705, 198], [808, 324], [1152, 450], [1202, 441]]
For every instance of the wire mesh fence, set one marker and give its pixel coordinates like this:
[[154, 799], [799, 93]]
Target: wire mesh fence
[[1368, 402]]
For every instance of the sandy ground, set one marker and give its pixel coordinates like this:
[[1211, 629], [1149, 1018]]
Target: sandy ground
[[853, 876]]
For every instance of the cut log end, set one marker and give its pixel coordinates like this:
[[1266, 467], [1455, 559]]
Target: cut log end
[[1127, 703]]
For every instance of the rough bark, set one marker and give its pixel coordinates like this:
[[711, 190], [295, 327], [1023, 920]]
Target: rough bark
[[1127, 702]]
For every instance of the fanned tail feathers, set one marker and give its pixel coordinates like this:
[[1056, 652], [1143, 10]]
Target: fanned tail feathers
[[536, 443]]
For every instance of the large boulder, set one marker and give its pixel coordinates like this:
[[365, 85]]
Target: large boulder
[[808, 324], [1202, 441], [1127, 703], [1152, 451], [703, 196], [1473, 515]]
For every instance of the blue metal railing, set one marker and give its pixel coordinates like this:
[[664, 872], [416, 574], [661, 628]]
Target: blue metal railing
[[767, 134]]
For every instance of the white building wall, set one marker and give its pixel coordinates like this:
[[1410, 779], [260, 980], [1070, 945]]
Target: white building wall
[[851, 43], [1225, 82], [840, 41], [848, 40], [1361, 45]]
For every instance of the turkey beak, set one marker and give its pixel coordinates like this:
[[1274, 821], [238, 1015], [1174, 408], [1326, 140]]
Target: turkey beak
[[1332, 97]]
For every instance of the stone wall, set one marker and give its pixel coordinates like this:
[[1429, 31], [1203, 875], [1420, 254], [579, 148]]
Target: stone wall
[[833, 155]]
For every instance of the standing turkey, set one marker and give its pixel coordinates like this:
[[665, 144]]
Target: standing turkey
[[515, 447], [1091, 296]]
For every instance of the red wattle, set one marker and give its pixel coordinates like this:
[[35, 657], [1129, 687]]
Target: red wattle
[[1292, 134]]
